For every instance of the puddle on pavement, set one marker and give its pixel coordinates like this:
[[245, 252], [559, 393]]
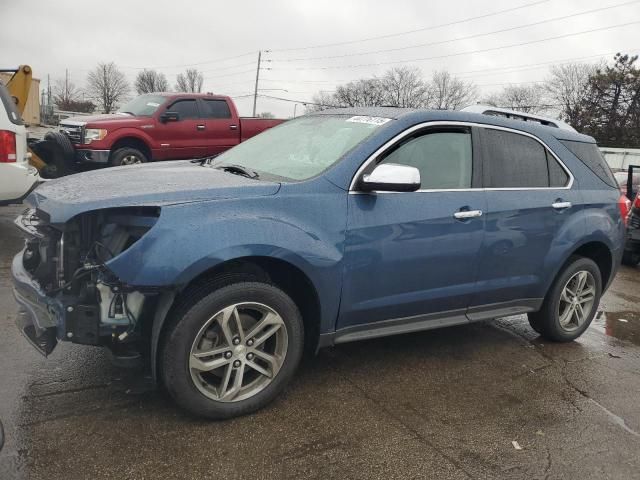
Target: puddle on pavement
[[620, 325]]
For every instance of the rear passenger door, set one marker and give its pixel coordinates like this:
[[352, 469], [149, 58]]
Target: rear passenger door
[[530, 204], [222, 130]]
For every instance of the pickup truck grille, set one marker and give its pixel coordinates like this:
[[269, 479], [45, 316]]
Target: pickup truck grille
[[634, 221], [74, 132]]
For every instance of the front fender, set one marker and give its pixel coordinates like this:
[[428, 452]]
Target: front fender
[[189, 239], [126, 132]]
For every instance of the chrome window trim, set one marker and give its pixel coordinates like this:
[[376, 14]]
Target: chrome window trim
[[401, 135]]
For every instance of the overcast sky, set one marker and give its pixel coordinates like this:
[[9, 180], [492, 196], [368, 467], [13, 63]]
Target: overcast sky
[[222, 39]]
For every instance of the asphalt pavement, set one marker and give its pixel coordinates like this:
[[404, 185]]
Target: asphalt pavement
[[445, 404]]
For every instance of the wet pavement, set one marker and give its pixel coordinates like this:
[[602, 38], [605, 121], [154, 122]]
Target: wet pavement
[[440, 404]]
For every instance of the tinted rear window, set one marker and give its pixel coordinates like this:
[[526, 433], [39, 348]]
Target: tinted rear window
[[10, 106], [589, 154], [514, 161], [216, 109]]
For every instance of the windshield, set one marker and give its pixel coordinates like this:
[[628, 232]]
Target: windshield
[[143, 106], [302, 148]]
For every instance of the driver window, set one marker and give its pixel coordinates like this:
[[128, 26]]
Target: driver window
[[444, 159]]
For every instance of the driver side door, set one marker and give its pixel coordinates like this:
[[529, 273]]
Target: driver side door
[[411, 257], [184, 138]]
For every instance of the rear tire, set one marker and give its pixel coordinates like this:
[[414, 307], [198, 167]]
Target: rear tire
[[226, 328], [127, 156], [571, 303]]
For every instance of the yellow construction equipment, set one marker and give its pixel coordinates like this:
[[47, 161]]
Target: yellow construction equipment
[[19, 86]]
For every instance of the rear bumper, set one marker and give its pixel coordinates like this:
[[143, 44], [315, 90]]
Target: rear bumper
[[92, 156], [40, 317], [17, 182]]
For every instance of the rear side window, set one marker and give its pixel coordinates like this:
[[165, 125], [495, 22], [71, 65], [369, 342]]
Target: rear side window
[[216, 109], [589, 154], [514, 161], [10, 106], [185, 108], [558, 177], [443, 158]]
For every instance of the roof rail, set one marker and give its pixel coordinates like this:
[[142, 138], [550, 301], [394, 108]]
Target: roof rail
[[515, 115]]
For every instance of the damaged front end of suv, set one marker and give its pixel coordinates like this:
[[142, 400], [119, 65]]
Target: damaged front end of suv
[[65, 288]]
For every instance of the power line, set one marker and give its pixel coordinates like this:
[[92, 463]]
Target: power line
[[468, 52], [193, 64], [468, 37], [424, 29]]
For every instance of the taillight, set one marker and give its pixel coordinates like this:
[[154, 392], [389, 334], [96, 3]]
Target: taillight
[[7, 147], [636, 203], [624, 204]]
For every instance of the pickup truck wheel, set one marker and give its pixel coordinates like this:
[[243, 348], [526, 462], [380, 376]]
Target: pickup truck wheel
[[232, 351], [127, 156], [571, 303]]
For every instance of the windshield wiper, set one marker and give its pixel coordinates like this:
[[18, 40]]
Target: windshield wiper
[[238, 170]]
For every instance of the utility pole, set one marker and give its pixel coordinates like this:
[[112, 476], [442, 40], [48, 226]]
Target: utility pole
[[255, 91]]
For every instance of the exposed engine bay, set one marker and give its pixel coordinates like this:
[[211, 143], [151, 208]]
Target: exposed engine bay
[[69, 265]]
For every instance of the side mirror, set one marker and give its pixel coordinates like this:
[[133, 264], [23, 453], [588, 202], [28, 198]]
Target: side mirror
[[391, 177], [169, 116]]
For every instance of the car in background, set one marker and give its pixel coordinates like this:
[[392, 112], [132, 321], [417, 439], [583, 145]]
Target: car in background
[[631, 254], [161, 126], [343, 225], [622, 177], [17, 177]]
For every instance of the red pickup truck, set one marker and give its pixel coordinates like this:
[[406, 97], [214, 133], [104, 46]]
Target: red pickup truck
[[161, 126]]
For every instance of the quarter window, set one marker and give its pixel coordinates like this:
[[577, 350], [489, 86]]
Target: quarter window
[[512, 160], [216, 109], [185, 108], [444, 159]]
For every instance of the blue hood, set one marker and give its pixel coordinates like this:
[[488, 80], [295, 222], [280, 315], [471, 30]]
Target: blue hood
[[153, 184]]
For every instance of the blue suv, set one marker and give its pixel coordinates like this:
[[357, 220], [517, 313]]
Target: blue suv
[[343, 225]]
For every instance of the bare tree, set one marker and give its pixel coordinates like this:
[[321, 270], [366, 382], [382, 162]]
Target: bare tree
[[64, 92], [149, 81], [404, 87], [524, 98], [450, 93], [566, 88], [189, 81], [107, 85], [321, 101], [368, 92]]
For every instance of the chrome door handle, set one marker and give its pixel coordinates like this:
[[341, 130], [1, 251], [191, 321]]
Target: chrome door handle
[[233, 127], [561, 205], [467, 214], [200, 127]]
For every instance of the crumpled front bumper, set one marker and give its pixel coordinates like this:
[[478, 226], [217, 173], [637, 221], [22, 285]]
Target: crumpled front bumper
[[40, 317]]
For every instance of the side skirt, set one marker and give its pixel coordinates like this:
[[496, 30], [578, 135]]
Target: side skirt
[[430, 321]]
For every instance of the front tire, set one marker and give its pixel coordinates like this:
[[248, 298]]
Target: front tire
[[571, 303], [127, 156], [233, 351]]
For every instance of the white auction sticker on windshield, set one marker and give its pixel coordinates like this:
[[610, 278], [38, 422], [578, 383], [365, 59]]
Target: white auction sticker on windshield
[[152, 104], [369, 120]]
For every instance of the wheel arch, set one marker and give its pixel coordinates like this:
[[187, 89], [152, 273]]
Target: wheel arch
[[276, 271], [132, 141]]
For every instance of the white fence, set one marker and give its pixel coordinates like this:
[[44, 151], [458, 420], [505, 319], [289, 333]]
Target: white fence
[[621, 158]]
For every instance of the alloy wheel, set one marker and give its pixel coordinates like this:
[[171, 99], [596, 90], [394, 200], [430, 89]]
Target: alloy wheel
[[577, 300], [131, 160], [238, 352]]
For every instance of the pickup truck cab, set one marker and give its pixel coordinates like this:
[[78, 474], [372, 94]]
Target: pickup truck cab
[[161, 126], [343, 225]]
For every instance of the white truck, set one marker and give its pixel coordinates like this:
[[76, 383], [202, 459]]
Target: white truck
[[17, 177]]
